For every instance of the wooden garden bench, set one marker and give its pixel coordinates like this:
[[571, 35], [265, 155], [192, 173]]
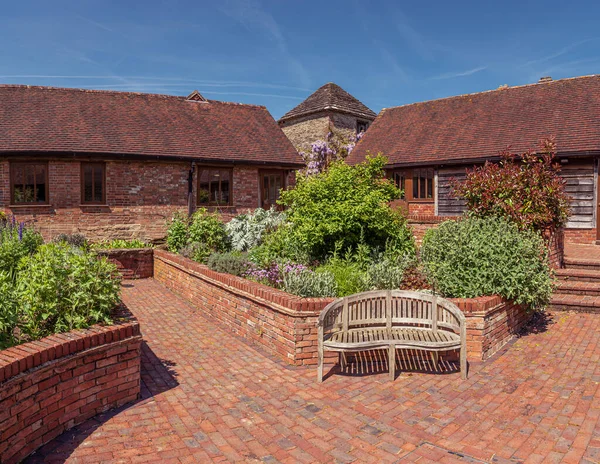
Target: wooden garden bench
[[392, 319]]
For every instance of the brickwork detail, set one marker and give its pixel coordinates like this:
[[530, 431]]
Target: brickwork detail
[[285, 325], [583, 236], [141, 197], [135, 263], [51, 385]]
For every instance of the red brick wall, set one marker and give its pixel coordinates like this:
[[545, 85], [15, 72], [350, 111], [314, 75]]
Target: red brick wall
[[51, 385], [285, 325], [135, 263], [491, 323], [585, 236], [423, 209], [141, 197], [421, 223]]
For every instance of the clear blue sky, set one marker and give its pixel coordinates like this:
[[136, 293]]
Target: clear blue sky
[[276, 52]]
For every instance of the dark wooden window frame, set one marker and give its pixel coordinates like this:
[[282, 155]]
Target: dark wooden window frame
[[13, 166], [261, 174], [103, 166], [409, 183], [360, 123], [214, 168]]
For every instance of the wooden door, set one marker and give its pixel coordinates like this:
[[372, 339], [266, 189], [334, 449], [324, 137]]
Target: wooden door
[[271, 184]]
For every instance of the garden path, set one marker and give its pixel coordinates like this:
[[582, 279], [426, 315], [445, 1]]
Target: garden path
[[209, 398]]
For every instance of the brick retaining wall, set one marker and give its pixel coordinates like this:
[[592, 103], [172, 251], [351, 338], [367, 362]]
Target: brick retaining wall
[[285, 325], [50, 385], [132, 263]]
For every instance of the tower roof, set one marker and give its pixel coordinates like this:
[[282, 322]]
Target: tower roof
[[330, 97]]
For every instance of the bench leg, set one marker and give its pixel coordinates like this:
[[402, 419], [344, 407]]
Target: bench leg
[[463, 363], [320, 367], [435, 357], [392, 362], [343, 361]]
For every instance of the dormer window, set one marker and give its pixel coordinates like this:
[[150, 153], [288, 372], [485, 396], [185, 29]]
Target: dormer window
[[196, 96], [361, 126]]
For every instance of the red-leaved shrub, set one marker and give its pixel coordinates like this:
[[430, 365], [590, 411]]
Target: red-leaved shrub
[[526, 189]]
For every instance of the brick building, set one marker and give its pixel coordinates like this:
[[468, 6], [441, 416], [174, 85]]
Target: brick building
[[429, 144], [120, 164], [328, 107]]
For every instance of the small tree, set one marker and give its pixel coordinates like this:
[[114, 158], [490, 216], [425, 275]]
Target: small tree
[[344, 206], [525, 189]]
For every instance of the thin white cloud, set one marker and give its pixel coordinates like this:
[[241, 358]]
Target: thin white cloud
[[559, 53], [253, 17], [453, 75], [95, 23], [163, 81], [411, 36]]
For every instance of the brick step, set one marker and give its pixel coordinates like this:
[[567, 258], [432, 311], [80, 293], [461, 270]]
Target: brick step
[[580, 263], [584, 275], [578, 287], [579, 303]]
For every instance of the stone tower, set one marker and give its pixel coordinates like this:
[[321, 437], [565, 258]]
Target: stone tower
[[329, 107]]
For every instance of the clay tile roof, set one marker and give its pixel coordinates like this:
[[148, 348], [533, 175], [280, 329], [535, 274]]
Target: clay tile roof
[[330, 97], [47, 119], [481, 125]]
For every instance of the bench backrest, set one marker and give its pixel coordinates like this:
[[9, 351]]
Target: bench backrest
[[391, 308]]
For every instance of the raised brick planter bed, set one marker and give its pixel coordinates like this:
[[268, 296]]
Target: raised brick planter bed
[[285, 325], [132, 263], [50, 385]]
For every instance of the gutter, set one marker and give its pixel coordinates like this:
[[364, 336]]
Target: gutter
[[144, 157]]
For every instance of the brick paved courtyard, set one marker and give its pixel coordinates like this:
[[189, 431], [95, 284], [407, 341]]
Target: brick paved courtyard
[[208, 397]]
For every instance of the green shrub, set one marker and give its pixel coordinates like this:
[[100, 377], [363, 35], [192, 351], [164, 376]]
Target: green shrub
[[197, 237], [309, 284], [348, 275], [177, 233], [339, 207], [234, 263], [387, 273], [246, 231], [121, 244], [16, 242], [279, 246], [74, 240], [59, 288], [488, 256]]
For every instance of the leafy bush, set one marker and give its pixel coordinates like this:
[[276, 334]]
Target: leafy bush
[[487, 256], [177, 233], [16, 242], [74, 240], [334, 209], [348, 275], [121, 244], [309, 284], [386, 274], [527, 189], [279, 246], [234, 263], [246, 231], [197, 237], [59, 288]]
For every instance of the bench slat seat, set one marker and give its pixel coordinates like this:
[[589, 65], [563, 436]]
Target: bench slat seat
[[381, 337], [392, 319]]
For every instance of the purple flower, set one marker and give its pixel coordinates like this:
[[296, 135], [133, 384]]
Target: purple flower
[[21, 227]]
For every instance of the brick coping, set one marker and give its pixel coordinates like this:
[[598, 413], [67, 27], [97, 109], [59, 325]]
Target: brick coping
[[278, 300], [21, 358], [294, 305]]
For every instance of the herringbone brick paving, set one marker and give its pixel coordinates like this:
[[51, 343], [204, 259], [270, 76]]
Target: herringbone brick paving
[[208, 397]]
